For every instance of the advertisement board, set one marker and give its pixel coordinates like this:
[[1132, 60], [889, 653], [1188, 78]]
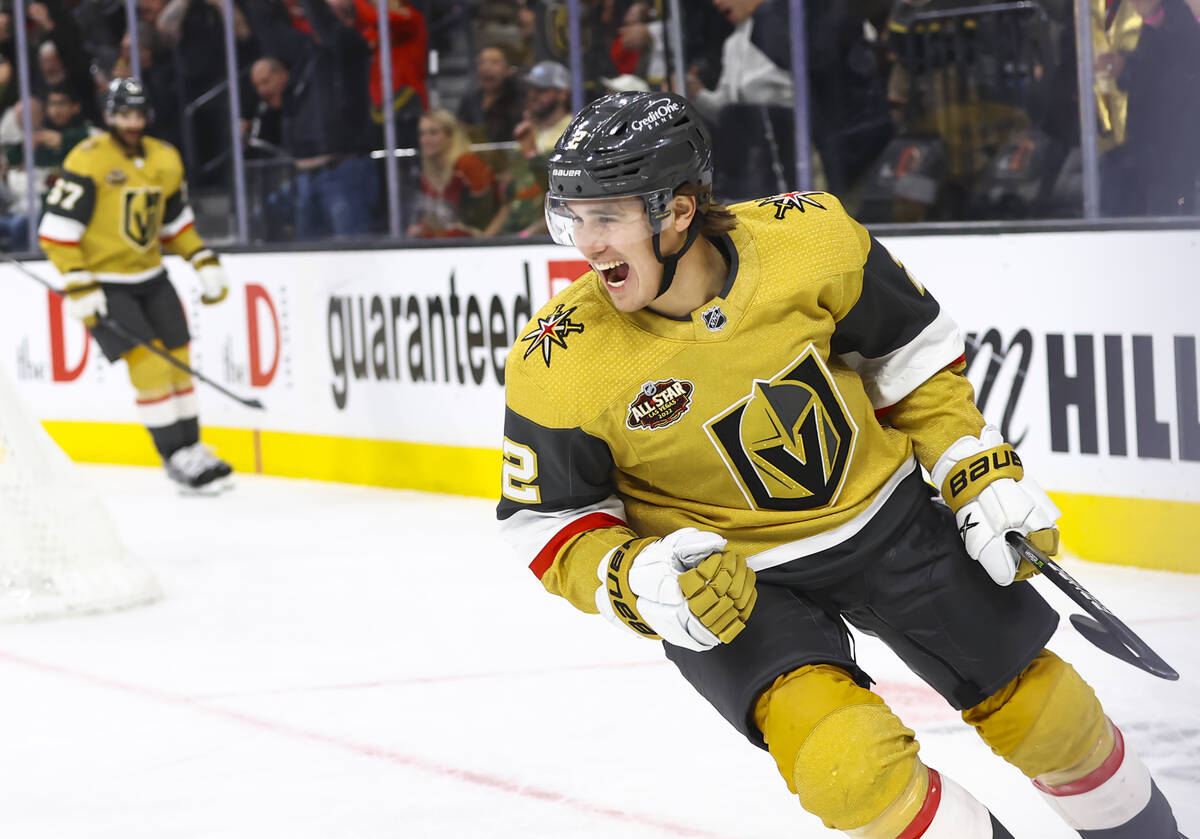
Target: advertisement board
[[386, 366]]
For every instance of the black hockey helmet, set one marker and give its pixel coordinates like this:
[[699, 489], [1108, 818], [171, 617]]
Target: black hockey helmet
[[625, 145], [632, 144], [126, 93]]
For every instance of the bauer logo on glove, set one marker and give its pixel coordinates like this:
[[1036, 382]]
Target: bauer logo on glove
[[621, 597], [983, 482]]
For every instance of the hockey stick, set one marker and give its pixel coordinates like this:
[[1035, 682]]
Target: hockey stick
[[121, 332], [1103, 628]]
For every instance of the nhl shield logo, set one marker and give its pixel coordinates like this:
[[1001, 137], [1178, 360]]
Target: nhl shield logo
[[714, 319], [659, 404]]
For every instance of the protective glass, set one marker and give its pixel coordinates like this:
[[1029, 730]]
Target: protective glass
[[586, 222]]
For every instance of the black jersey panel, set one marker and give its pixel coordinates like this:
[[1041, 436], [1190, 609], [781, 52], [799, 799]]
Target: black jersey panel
[[569, 469], [73, 198], [890, 312]]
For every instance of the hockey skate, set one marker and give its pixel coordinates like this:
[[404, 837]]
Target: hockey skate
[[198, 471]]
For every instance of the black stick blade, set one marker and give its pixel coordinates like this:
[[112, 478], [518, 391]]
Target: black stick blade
[[1103, 629], [1145, 659]]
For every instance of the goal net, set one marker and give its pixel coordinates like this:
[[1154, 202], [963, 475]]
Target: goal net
[[59, 550]]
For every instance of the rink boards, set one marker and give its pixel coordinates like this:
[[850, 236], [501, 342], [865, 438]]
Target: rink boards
[[385, 367]]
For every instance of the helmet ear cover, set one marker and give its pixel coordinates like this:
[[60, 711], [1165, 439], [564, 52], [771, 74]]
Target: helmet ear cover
[[658, 208]]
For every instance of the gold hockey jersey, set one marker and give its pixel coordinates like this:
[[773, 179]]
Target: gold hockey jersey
[[758, 418], [111, 213]]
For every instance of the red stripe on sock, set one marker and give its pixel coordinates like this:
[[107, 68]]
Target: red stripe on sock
[[1094, 778], [156, 400], [924, 817]]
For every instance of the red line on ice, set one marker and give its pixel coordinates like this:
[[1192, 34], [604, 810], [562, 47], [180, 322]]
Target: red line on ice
[[480, 779]]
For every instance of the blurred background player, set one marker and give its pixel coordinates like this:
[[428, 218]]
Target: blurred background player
[[746, 480], [119, 201]]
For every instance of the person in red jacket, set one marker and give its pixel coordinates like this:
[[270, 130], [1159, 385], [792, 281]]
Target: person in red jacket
[[409, 41], [410, 50]]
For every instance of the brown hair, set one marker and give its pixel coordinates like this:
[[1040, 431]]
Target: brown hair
[[714, 218]]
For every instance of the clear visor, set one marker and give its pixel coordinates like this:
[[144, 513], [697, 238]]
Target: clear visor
[[591, 222]]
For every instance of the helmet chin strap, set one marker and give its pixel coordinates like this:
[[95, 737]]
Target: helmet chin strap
[[669, 263]]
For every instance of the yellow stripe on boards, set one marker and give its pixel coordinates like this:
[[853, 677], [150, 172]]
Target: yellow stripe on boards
[[385, 463], [1144, 532], [104, 442]]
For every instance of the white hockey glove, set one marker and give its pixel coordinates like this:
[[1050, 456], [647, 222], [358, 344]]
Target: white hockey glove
[[681, 588], [982, 481], [213, 284], [83, 297]]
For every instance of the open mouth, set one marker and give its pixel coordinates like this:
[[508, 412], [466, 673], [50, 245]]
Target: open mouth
[[614, 273]]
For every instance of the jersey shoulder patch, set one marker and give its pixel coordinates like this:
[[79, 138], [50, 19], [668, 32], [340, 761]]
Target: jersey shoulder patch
[[86, 158], [560, 370], [802, 238], [556, 328]]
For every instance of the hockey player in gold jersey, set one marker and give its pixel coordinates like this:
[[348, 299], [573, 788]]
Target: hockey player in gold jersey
[[714, 438], [120, 201]]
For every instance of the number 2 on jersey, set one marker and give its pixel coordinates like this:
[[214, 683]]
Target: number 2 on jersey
[[520, 474]]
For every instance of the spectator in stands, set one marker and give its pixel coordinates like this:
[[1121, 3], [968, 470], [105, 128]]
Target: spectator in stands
[[754, 146], [752, 68], [547, 108], [458, 190], [640, 47], [273, 205], [158, 77], [62, 57], [14, 220], [270, 79], [547, 114], [194, 32], [755, 139], [57, 129], [45, 144], [100, 24], [65, 125], [325, 104], [9, 87], [1162, 148], [410, 48], [527, 17], [494, 107]]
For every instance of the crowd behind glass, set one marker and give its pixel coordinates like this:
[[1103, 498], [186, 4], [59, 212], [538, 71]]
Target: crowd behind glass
[[939, 110]]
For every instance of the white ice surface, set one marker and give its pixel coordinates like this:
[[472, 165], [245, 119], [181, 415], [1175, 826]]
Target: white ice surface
[[333, 661]]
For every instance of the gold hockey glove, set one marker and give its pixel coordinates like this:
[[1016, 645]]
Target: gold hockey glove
[[721, 592], [681, 588], [1045, 541]]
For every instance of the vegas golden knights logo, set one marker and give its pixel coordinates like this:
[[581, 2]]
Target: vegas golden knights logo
[[789, 443], [141, 215]]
